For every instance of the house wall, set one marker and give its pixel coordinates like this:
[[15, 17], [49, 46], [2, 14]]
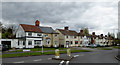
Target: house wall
[[73, 40], [20, 32], [45, 36], [55, 39], [13, 42], [34, 34], [61, 38], [80, 38]]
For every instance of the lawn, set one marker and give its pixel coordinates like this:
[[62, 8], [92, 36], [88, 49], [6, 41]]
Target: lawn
[[39, 49], [39, 53], [116, 47], [103, 48]]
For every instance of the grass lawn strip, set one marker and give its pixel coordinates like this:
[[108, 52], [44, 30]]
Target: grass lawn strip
[[38, 49], [38, 53], [116, 47]]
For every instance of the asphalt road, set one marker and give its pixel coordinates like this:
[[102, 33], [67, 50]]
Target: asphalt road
[[99, 56]]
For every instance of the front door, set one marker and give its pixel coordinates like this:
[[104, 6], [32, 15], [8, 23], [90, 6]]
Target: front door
[[67, 44]]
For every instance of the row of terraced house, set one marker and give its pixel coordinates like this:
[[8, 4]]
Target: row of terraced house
[[31, 36]]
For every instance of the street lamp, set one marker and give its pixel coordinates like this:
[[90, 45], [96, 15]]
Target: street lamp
[[42, 44]]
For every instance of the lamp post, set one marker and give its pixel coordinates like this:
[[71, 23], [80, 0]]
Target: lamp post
[[42, 45]]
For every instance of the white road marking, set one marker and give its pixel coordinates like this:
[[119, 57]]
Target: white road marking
[[49, 58], [38, 60], [19, 62], [61, 62], [67, 63], [76, 55]]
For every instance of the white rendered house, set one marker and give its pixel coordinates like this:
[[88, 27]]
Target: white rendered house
[[29, 36]]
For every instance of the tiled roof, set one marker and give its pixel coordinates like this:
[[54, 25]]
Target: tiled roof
[[81, 34], [68, 32], [30, 28], [47, 30]]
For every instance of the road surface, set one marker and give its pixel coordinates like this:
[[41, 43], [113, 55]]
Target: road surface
[[99, 56]]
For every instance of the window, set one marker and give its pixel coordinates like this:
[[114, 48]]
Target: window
[[29, 33], [48, 41], [55, 42], [66, 36], [55, 35], [76, 42], [29, 42], [80, 42], [37, 42], [46, 35], [39, 34], [71, 42], [18, 43], [23, 42]]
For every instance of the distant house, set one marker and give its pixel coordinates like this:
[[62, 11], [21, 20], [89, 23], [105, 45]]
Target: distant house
[[84, 39], [110, 40], [30, 36], [67, 38]]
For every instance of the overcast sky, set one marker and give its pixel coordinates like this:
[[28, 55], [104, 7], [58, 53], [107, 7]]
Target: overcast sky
[[100, 17]]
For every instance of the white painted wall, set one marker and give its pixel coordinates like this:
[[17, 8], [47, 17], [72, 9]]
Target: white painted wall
[[34, 34], [14, 42], [32, 39], [20, 32]]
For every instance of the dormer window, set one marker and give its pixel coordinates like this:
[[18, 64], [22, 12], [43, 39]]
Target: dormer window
[[29, 33]]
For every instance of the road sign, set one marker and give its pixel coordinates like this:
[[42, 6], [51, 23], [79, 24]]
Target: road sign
[[26, 50]]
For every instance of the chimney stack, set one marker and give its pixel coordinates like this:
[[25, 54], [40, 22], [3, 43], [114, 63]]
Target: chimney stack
[[93, 33], [66, 28], [81, 31], [37, 23], [105, 35], [101, 34]]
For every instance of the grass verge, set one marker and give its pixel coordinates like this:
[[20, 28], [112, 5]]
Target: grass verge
[[116, 47], [39, 53], [38, 49], [105, 48]]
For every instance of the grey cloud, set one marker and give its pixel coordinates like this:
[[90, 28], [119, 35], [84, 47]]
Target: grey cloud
[[55, 14]]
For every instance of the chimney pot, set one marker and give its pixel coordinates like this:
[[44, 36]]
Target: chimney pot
[[101, 34], [105, 35], [81, 31], [66, 28], [93, 33]]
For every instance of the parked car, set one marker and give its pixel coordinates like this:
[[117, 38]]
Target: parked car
[[5, 47], [93, 45], [98, 45]]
